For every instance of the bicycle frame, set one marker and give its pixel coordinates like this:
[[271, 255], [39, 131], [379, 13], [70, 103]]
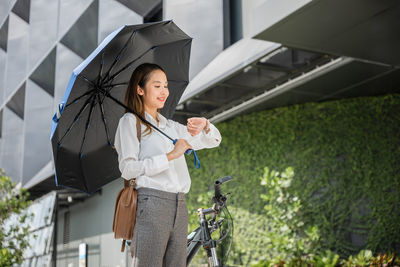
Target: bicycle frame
[[194, 243], [201, 235]]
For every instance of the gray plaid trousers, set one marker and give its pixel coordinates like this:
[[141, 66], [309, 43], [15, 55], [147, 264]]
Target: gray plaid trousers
[[160, 235]]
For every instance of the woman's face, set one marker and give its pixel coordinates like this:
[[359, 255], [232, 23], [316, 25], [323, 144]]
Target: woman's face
[[156, 90]]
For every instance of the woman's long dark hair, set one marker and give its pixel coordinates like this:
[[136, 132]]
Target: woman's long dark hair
[[133, 100]]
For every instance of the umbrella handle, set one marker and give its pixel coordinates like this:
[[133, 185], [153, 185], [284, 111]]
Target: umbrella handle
[[187, 152], [57, 115], [196, 159]]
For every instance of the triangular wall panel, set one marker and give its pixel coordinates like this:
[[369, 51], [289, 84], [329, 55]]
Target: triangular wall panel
[[67, 61], [141, 7], [4, 35], [1, 122], [12, 145], [22, 9], [42, 30], [4, 10], [17, 102], [3, 64], [110, 21], [82, 36], [17, 53], [44, 75], [37, 147], [70, 11]]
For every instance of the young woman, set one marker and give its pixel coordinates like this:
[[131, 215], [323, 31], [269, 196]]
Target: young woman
[[162, 177]]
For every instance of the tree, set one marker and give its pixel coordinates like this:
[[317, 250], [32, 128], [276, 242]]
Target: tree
[[14, 226]]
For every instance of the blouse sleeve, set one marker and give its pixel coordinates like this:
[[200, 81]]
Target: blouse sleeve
[[127, 145], [202, 140]]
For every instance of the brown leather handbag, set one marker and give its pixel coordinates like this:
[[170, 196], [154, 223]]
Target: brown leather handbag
[[125, 207]]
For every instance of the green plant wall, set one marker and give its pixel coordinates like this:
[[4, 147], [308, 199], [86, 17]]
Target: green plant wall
[[346, 158]]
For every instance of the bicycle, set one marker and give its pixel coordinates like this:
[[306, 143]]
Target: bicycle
[[202, 234]]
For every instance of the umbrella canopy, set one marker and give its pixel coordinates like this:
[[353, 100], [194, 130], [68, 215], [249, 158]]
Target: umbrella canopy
[[84, 126]]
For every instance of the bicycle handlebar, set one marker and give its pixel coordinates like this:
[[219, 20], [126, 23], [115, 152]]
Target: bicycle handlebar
[[209, 226], [218, 183], [218, 198]]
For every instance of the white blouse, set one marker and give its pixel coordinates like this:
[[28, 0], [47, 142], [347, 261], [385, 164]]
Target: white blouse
[[147, 160]]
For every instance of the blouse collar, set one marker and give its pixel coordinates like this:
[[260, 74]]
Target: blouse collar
[[161, 118]]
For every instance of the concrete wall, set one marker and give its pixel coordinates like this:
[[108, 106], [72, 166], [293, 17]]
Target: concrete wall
[[91, 222], [203, 21], [37, 57], [261, 14]]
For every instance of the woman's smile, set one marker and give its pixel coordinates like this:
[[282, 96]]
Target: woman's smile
[[162, 99]]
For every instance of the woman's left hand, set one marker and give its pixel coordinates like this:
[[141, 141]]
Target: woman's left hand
[[196, 124]]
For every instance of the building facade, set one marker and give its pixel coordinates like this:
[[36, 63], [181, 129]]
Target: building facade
[[41, 42], [243, 59]]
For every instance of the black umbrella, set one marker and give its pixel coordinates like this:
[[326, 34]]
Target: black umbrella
[[84, 126]]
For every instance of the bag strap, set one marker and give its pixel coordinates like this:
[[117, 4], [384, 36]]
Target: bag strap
[[123, 246], [132, 181], [138, 128]]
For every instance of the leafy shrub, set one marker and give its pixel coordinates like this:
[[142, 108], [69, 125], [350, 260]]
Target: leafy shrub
[[345, 155], [13, 237], [288, 235], [331, 259]]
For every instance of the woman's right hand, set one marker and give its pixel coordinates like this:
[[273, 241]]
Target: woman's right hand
[[180, 147]]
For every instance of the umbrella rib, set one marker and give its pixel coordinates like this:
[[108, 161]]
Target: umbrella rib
[[130, 63], [86, 79], [76, 118], [104, 119], [79, 97], [118, 57], [86, 127], [101, 69], [110, 78], [115, 85]]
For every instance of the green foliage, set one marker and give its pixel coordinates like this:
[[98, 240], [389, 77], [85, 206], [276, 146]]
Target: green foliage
[[331, 259], [362, 259], [326, 259], [13, 237], [385, 260], [279, 233], [288, 235], [345, 155], [250, 231]]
